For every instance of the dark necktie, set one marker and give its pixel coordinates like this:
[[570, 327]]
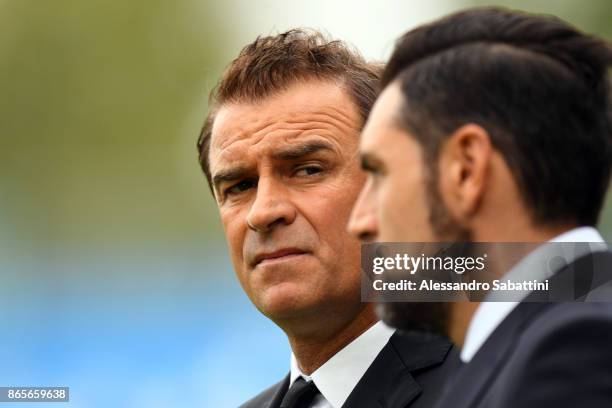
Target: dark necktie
[[300, 394]]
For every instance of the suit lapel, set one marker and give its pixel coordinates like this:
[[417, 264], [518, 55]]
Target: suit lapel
[[270, 397], [279, 393], [467, 389], [388, 382]]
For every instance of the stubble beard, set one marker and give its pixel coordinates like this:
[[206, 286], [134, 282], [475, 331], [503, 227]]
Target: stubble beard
[[428, 316]]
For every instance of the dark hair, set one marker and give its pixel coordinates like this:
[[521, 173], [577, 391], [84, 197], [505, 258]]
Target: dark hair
[[537, 85], [272, 64]]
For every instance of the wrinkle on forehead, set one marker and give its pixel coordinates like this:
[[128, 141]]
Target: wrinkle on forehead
[[252, 131], [257, 127]]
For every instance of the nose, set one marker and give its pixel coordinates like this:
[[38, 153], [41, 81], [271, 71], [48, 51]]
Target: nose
[[272, 207], [363, 223]]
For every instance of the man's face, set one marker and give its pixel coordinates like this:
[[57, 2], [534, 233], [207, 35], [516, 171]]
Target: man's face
[[286, 175], [402, 199], [400, 202], [393, 206]]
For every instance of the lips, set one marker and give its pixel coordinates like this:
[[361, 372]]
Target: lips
[[277, 255]]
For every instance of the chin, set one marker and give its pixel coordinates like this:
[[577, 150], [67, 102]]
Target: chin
[[285, 301]]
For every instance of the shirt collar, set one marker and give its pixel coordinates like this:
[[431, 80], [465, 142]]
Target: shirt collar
[[490, 314], [337, 378]]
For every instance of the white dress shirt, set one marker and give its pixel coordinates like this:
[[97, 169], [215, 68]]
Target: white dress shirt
[[341, 373], [489, 315]]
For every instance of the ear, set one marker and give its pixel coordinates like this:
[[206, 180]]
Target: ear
[[464, 167]]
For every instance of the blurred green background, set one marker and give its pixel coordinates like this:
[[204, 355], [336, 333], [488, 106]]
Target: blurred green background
[[115, 277]]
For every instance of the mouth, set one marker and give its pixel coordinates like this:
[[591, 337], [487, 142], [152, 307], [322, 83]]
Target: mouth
[[278, 256]]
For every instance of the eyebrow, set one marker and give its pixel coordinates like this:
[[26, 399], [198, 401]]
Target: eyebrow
[[369, 162], [303, 149], [293, 153], [229, 175]]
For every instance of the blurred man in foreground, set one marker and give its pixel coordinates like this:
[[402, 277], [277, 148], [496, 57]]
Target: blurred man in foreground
[[494, 126], [279, 150]]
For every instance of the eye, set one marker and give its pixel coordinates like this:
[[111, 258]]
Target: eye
[[374, 173], [368, 168], [308, 170], [240, 187], [372, 167]]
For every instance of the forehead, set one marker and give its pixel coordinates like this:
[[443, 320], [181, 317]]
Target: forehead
[[314, 108], [382, 122]]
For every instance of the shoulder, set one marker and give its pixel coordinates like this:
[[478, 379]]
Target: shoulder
[[428, 356], [267, 396], [584, 320], [562, 357], [419, 349], [430, 359]]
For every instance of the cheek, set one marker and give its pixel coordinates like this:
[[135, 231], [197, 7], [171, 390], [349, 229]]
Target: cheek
[[330, 216], [402, 211], [330, 207], [390, 214], [328, 212], [235, 230]]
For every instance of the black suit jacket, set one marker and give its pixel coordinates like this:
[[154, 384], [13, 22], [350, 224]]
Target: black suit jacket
[[409, 371], [545, 354]]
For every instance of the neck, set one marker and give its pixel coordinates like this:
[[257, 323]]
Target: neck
[[462, 312], [520, 228], [312, 350]]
